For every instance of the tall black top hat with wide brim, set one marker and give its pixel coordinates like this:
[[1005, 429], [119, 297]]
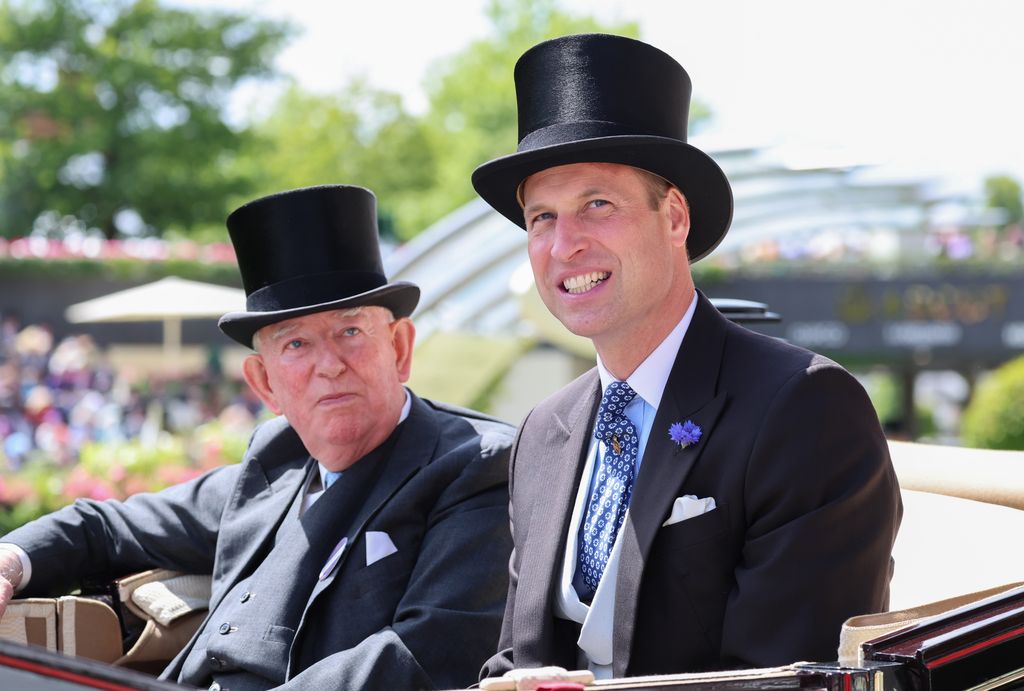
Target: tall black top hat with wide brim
[[310, 250], [596, 98]]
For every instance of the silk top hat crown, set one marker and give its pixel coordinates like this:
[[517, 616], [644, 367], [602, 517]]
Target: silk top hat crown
[[597, 98], [310, 250]]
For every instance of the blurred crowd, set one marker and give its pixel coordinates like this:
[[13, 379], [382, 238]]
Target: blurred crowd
[[956, 244], [57, 396], [940, 245]]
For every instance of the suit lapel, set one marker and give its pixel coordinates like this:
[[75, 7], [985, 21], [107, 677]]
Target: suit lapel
[[413, 448], [272, 475], [269, 496], [690, 394], [565, 447]]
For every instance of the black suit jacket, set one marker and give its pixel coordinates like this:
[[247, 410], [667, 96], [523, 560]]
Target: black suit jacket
[[425, 616], [808, 509]]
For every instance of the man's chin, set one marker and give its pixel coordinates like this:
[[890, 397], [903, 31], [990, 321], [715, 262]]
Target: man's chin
[[579, 325]]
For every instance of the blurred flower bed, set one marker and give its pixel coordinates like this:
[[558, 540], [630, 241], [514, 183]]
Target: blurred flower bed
[[141, 259], [116, 470], [77, 246], [72, 426]]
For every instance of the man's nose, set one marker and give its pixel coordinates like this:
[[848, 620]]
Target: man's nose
[[569, 238], [331, 359]]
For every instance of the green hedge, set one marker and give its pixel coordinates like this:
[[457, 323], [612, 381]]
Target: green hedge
[[994, 419], [124, 269]]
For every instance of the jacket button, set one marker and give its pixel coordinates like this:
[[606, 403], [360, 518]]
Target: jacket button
[[245, 597], [224, 629]]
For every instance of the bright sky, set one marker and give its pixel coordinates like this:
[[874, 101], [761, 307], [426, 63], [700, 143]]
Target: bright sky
[[926, 87]]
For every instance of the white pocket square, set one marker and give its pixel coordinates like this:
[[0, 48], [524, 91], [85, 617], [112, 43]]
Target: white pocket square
[[688, 506], [378, 546]]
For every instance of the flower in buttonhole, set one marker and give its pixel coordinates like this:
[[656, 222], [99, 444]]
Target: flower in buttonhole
[[684, 433]]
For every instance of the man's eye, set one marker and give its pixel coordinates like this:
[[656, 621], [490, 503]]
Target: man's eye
[[352, 331], [544, 216], [293, 344], [597, 203]]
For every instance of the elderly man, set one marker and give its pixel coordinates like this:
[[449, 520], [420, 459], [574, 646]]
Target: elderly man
[[706, 497], [363, 541]]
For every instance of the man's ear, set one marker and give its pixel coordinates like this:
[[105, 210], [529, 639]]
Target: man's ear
[[255, 372], [403, 336], [678, 216]]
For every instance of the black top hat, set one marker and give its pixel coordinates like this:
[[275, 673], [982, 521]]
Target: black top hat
[[310, 250], [596, 98]]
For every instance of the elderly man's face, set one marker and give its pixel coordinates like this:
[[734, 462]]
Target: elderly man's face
[[337, 376], [608, 260]]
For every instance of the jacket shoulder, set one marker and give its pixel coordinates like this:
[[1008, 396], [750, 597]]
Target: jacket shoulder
[[772, 358], [275, 442], [568, 396], [460, 425]]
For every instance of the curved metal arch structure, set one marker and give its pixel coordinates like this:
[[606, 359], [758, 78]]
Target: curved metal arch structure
[[473, 270]]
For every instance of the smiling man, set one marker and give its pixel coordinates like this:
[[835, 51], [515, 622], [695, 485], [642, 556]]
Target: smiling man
[[706, 497], [363, 541]]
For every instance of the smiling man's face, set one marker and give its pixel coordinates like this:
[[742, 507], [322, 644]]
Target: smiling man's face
[[608, 260], [337, 377]]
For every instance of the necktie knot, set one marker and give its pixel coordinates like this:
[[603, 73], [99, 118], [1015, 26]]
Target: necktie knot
[[330, 477], [612, 425]]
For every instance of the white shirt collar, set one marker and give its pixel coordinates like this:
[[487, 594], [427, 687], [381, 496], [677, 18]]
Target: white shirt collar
[[651, 376]]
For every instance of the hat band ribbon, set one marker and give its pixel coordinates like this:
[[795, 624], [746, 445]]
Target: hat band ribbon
[[568, 132], [316, 289]]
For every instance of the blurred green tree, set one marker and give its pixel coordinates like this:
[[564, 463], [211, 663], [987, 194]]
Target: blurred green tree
[[113, 113], [419, 165], [360, 135], [472, 104], [1004, 192], [994, 418]]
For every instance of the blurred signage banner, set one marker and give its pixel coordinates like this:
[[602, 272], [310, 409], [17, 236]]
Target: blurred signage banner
[[934, 321]]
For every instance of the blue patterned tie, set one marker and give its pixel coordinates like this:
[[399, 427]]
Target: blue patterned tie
[[614, 482]]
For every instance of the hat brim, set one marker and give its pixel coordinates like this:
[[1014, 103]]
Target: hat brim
[[401, 297], [698, 177]]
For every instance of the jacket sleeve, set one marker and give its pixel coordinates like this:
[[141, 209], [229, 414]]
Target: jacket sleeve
[[175, 528], [823, 507], [502, 661]]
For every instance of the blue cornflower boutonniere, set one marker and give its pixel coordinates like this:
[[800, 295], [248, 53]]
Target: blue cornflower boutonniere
[[685, 433]]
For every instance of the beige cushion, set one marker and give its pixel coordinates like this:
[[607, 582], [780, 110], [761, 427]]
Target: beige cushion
[[32, 621], [172, 605], [72, 625], [948, 546], [987, 475], [165, 595]]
